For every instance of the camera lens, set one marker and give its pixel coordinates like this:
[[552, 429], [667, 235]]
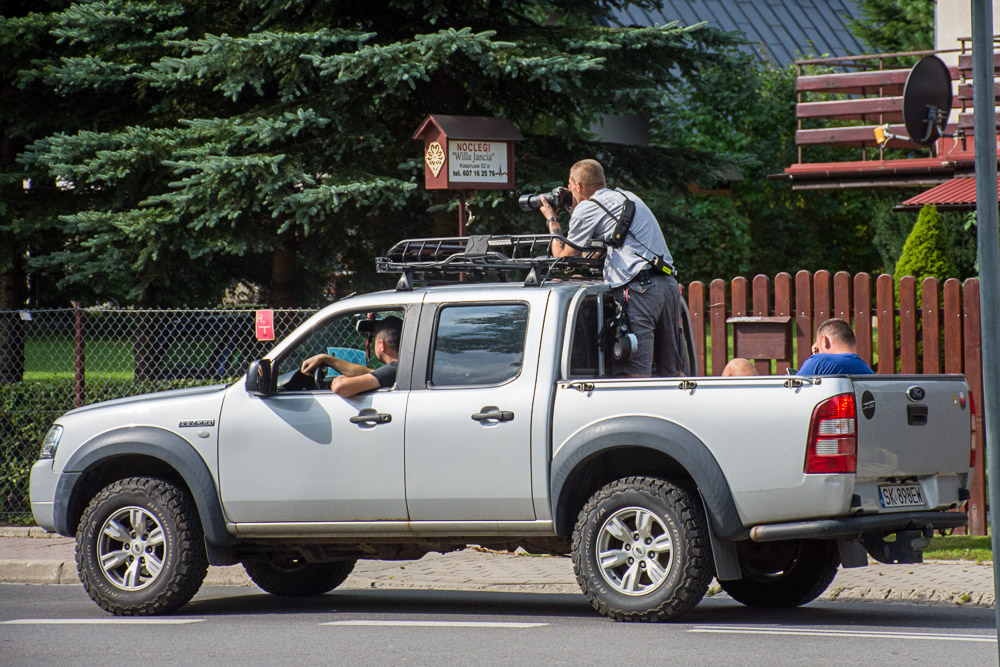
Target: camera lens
[[530, 202]]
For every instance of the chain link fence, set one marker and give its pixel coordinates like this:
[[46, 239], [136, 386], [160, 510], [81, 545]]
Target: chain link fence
[[54, 360]]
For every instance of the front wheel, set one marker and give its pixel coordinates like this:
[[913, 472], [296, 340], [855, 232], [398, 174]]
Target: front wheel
[[783, 574], [641, 550], [291, 575], [140, 547]]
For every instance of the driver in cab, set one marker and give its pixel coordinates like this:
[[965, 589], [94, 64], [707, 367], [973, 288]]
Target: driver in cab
[[355, 378]]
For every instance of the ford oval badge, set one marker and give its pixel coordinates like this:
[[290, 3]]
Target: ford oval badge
[[916, 393]]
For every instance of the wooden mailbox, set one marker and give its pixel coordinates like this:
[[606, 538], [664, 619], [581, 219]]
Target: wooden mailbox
[[468, 152], [762, 337]]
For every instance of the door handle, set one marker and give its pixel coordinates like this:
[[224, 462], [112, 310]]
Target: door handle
[[377, 418], [496, 415]]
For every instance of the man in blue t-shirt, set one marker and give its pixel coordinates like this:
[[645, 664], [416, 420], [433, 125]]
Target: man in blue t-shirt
[[835, 351]]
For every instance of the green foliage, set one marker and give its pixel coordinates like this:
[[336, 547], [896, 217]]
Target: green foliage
[[27, 410], [211, 141], [895, 26], [926, 252], [891, 229], [773, 228]]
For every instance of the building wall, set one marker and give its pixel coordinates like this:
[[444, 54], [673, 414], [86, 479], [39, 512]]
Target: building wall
[[952, 21]]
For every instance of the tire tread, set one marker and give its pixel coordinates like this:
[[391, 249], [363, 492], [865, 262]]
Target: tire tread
[[192, 564], [698, 564]]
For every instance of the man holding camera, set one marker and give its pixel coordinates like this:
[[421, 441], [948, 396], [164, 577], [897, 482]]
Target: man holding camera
[[637, 265]]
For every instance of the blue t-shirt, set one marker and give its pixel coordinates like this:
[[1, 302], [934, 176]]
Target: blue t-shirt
[[835, 364]]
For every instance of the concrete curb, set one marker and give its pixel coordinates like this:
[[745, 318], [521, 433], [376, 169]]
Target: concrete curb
[[55, 572], [29, 556], [25, 531]]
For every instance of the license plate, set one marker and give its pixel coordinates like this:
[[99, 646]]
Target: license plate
[[900, 495]]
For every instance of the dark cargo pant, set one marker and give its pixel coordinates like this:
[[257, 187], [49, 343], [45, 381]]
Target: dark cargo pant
[[654, 313]]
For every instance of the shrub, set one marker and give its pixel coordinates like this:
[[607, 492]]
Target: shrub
[[27, 409], [926, 252]]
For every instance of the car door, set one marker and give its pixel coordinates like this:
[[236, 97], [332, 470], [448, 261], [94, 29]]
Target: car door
[[306, 454], [468, 427]]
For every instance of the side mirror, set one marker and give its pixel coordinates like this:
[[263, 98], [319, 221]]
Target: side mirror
[[259, 378]]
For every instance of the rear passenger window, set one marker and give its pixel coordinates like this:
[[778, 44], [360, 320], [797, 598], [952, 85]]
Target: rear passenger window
[[478, 345], [583, 360]]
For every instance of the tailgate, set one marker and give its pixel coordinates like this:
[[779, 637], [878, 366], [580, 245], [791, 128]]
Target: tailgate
[[912, 425]]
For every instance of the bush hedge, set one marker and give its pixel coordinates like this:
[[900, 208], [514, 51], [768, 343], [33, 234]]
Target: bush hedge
[[27, 409]]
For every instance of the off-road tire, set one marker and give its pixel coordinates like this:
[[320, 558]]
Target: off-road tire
[[677, 518], [181, 550], [783, 574], [294, 577]]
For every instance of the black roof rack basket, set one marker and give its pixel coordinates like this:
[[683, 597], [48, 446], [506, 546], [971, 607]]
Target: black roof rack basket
[[504, 256]]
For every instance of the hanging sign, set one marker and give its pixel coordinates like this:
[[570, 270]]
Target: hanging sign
[[264, 322], [477, 161], [468, 152]]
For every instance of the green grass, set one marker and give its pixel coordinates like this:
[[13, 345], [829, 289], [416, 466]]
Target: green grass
[[112, 360], [960, 547], [53, 359]]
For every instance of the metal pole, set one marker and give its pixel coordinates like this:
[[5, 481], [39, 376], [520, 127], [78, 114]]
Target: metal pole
[[79, 354], [462, 214], [984, 106]]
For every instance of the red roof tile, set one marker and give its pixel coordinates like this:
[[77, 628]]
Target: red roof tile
[[956, 192]]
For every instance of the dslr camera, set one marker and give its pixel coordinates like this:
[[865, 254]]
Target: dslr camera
[[558, 198]]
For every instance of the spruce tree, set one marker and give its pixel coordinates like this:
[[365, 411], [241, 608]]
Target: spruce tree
[[270, 141], [925, 252]]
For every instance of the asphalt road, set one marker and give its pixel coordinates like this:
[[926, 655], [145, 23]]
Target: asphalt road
[[242, 626]]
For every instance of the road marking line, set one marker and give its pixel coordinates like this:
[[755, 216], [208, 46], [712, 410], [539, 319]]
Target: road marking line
[[441, 624], [860, 634], [102, 621]]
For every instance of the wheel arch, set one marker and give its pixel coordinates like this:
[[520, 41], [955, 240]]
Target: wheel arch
[[639, 445], [131, 452]]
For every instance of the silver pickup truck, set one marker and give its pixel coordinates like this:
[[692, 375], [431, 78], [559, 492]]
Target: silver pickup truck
[[506, 428]]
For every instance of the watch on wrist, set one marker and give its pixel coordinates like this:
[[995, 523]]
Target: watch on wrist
[[553, 219]]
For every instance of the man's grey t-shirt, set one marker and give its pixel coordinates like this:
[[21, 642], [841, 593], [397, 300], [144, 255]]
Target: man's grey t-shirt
[[645, 240], [386, 375]]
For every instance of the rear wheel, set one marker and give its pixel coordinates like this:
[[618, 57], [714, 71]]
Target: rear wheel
[[783, 574], [140, 548], [641, 551], [281, 574]]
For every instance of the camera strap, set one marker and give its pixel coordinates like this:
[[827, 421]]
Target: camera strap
[[617, 325], [623, 222], [623, 227]]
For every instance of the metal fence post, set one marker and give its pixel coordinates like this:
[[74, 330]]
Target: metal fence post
[[79, 354]]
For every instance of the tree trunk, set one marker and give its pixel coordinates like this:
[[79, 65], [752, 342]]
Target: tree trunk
[[13, 297], [283, 282], [14, 281]]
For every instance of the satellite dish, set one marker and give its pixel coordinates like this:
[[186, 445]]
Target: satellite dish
[[927, 100]]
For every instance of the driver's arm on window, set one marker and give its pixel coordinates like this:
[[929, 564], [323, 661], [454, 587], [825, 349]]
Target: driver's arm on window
[[349, 386], [341, 366]]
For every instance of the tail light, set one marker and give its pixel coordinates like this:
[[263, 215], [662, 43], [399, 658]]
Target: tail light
[[972, 429], [833, 437]]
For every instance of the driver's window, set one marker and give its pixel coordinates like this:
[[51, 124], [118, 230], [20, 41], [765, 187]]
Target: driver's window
[[338, 337]]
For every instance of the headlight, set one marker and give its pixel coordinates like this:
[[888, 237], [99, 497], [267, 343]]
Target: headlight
[[51, 442]]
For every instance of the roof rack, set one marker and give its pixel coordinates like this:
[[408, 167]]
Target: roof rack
[[504, 256]]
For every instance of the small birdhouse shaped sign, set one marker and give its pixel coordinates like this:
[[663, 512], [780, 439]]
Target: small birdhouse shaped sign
[[468, 152]]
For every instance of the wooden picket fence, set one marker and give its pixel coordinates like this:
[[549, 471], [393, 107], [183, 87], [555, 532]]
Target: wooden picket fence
[[895, 335]]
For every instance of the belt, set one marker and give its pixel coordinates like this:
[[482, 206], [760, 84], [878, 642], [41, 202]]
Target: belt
[[647, 272]]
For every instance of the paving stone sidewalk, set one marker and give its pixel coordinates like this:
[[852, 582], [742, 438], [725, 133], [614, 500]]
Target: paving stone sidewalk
[[33, 557]]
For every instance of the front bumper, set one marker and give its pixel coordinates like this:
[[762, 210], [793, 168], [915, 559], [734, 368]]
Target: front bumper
[[42, 492]]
